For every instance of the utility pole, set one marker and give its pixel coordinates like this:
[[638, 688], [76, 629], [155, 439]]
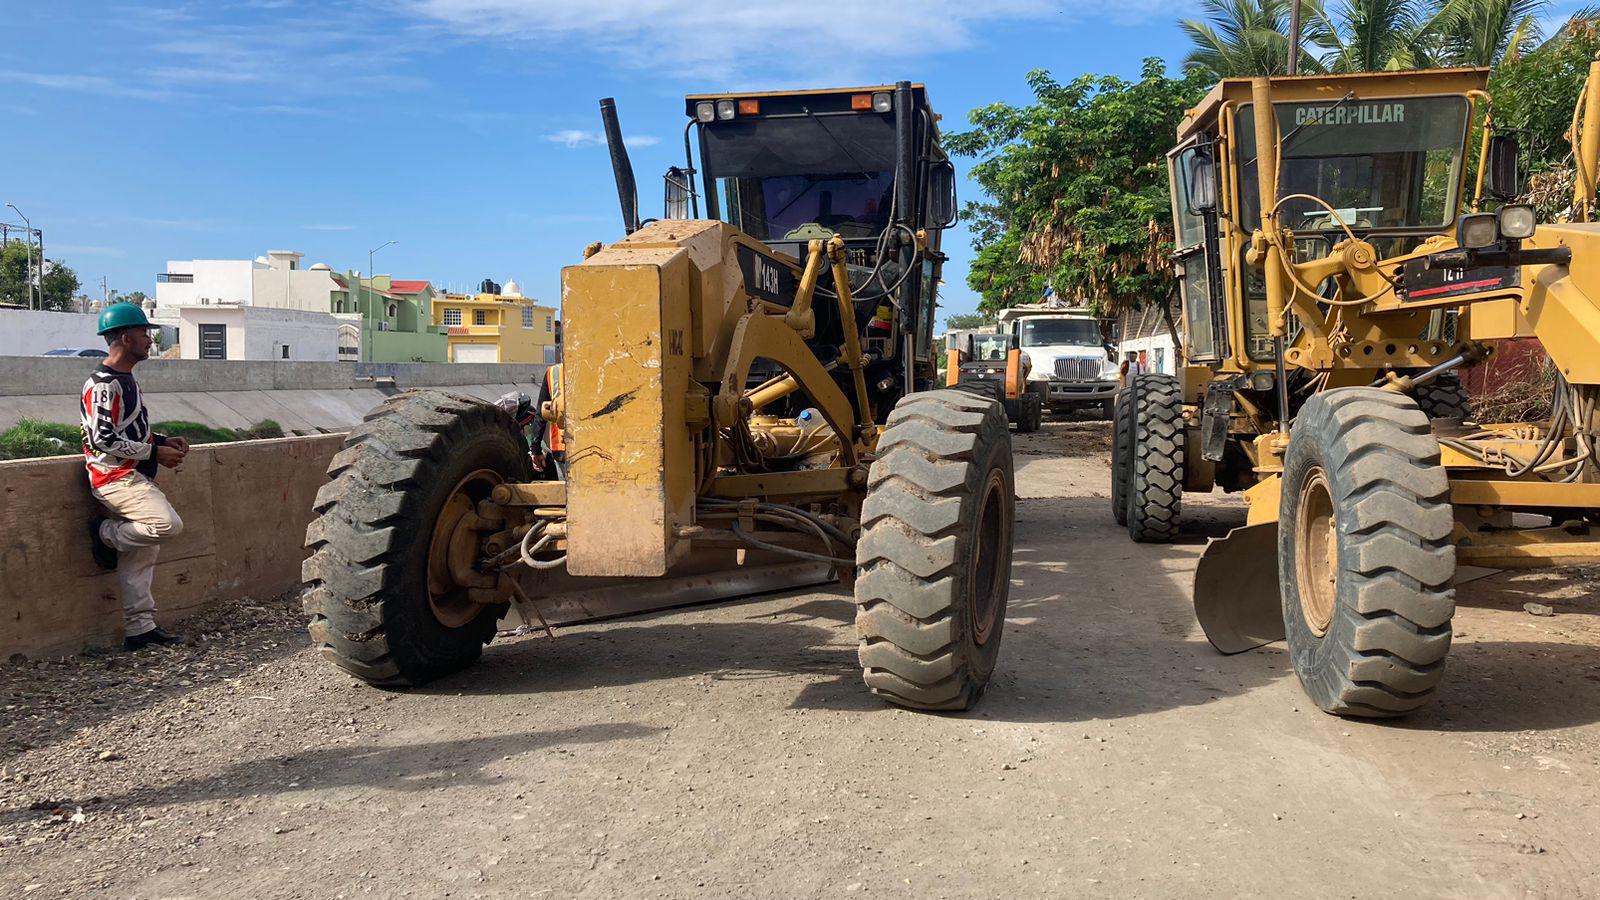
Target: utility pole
[[28, 234], [105, 295], [1294, 38]]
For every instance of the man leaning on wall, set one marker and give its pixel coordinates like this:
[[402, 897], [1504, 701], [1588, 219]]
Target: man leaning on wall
[[121, 454]]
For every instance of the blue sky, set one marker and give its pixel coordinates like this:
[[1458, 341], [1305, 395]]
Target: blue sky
[[464, 129]]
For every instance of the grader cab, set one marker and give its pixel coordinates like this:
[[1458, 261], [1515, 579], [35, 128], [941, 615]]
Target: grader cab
[[1338, 268], [748, 403]]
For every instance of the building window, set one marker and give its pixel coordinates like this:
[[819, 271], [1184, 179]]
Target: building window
[[452, 317], [285, 351], [547, 327], [480, 317], [527, 317], [174, 278], [392, 310]]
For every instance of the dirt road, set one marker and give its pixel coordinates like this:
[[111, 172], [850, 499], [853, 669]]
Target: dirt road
[[731, 751]]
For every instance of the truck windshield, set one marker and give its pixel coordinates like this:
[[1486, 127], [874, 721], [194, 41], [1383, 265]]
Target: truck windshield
[[1386, 163], [778, 175], [988, 347], [1077, 332]]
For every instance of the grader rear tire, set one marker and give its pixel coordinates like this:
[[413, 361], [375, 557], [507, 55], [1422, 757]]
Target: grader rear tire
[[1443, 398], [1364, 558], [934, 558], [417, 459], [1155, 459], [1121, 437]]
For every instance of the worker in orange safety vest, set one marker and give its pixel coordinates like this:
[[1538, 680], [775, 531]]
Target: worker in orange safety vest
[[548, 444]]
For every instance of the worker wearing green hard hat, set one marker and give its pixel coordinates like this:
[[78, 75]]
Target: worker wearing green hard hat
[[122, 315]]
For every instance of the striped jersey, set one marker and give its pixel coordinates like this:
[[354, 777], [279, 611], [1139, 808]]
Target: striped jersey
[[116, 427]]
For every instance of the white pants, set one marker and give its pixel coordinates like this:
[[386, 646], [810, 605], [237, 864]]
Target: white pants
[[140, 521]]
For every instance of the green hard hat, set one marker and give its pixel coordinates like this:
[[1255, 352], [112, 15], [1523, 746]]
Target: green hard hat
[[122, 315]]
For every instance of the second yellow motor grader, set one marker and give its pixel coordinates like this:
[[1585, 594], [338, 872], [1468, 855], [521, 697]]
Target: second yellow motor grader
[[748, 403], [1338, 268]]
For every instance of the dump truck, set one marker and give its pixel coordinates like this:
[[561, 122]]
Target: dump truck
[[994, 366], [1338, 269], [1072, 364], [748, 401]]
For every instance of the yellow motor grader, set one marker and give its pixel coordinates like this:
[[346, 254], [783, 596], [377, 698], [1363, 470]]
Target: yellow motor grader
[[1337, 269], [748, 402]]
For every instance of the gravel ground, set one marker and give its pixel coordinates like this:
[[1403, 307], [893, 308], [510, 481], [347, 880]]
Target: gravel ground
[[731, 751]]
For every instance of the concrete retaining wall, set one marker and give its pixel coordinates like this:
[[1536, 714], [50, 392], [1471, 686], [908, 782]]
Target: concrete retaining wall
[[245, 508], [30, 332], [303, 397]]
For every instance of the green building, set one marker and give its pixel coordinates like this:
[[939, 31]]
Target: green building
[[384, 320]]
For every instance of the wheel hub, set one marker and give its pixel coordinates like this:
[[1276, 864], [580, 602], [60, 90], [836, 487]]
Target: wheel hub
[[1316, 550], [455, 540], [985, 573]]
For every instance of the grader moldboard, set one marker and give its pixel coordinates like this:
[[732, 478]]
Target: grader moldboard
[[747, 406], [1330, 293]]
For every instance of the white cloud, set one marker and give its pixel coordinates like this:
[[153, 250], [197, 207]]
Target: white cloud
[[730, 38], [573, 138], [90, 84], [329, 227]]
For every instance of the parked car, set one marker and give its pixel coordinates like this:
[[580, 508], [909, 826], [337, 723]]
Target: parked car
[[76, 351]]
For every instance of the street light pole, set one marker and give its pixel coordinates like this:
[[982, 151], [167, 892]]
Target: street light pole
[[1294, 38], [29, 235], [370, 273]]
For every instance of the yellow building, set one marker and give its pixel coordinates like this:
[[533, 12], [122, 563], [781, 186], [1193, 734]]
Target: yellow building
[[503, 328]]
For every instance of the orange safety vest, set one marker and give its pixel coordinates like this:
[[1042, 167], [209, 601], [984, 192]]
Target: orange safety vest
[[552, 380]]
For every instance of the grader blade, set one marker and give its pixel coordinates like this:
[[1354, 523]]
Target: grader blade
[[1236, 589]]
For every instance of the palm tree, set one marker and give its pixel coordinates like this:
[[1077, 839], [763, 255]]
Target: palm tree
[[1240, 38], [1482, 32], [1376, 35]]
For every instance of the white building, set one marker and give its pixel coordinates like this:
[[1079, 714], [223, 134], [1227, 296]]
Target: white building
[[276, 280], [1144, 337], [237, 331]]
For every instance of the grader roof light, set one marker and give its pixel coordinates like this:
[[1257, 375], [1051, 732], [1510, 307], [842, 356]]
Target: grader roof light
[[726, 110], [749, 107], [882, 102], [705, 111]]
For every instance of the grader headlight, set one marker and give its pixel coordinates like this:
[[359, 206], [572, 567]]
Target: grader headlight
[[1478, 230], [705, 111], [1517, 222], [726, 110]]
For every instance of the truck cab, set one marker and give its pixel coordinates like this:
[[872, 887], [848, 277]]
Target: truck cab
[[1071, 364]]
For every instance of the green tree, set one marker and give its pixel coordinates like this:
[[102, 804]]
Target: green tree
[[1485, 32], [1077, 190], [966, 321], [58, 283], [1375, 35]]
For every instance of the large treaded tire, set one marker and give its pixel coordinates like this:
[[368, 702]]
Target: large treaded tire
[[1121, 437], [1443, 398], [367, 577], [1390, 601], [934, 558], [1032, 417], [1155, 459]]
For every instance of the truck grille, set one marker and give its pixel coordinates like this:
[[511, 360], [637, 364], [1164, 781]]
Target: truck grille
[[1077, 369]]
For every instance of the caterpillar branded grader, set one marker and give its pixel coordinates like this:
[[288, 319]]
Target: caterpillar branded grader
[[748, 403], [1337, 270]]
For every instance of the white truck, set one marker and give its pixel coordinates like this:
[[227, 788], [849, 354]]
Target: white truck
[[1074, 366]]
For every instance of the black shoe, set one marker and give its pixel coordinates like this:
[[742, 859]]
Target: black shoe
[[154, 636], [105, 555]]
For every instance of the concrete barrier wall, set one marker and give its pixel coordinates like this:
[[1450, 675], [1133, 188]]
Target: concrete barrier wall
[[245, 508], [303, 397], [30, 332]]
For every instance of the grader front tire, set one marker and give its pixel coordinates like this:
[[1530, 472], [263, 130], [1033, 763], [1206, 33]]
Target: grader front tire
[[934, 558], [1121, 461], [1364, 557], [1155, 454], [374, 612]]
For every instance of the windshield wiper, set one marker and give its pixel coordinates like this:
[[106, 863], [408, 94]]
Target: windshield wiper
[[1283, 144]]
